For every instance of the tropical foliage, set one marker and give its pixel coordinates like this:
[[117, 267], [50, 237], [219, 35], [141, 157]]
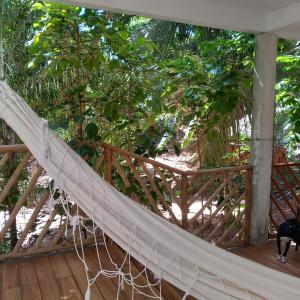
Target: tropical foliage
[[142, 84]]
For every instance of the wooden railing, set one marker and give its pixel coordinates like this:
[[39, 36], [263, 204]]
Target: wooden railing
[[27, 223], [284, 193], [212, 204]]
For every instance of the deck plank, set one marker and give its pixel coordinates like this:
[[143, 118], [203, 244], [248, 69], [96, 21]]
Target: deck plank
[[27, 273], [261, 258], [30, 292], [50, 290], [266, 255], [46, 278], [43, 269], [118, 258], [11, 294], [62, 276], [1, 275], [106, 285], [10, 276], [59, 266], [126, 291], [69, 289], [79, 275], [168, 291], [290, 266]]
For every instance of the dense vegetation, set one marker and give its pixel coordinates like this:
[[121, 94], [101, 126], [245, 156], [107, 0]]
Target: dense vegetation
[[142, 84], [145, 85]]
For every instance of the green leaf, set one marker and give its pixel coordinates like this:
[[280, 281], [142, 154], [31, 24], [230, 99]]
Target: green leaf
[[189, 134], [113, 64], [91, 130], [61, 124], [56, 195], [124, 35], [111, 111], [188, 92], [150, 121], [288, 59], [156, 106]]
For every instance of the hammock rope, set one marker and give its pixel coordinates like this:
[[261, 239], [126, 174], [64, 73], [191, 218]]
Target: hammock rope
[[193, 265]]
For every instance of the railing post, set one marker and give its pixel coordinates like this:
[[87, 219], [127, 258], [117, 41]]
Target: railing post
[[248, 196], [184, 198], [108, 165]]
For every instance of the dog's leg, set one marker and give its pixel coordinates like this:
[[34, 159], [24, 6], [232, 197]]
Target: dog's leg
[[296, 249], [287, 247], [279, 257]]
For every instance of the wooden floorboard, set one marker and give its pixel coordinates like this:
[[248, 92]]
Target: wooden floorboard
[[10, 276], [79, 275], [266, 255], [62, 276], [46, 278], [49, 290], [32, 291], [69, 289], [11, 294], [26, 272]]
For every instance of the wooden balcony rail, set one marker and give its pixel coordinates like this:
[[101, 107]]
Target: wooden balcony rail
[[28, 226], [212, 204], [284, 193]]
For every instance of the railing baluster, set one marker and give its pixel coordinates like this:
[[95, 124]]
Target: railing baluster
[[184, 199], [21, 202], [216, 198], [248, 196], [108, 165], [14, 178], [31, 221], [4, 159], [143, 186]]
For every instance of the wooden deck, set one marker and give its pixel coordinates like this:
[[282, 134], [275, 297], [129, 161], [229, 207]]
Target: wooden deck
[[266, 255], [62, 276]]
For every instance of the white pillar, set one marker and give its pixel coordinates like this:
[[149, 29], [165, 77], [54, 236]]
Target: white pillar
[[262, 135]]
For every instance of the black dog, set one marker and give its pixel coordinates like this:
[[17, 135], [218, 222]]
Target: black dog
[[287, 232]]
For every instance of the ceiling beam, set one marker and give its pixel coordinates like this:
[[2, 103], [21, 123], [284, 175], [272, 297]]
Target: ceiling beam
[[197, 12], [285, 22], [283, 18]]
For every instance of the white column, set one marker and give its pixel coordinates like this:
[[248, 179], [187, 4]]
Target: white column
[[262, 135]]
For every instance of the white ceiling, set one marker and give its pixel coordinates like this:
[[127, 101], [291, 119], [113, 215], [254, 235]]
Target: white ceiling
[[264, 6], [279, 16]]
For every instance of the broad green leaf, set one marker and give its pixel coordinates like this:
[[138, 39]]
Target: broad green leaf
[[91, 130]]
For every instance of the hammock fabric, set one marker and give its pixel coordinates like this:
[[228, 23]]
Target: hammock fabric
[[191, 264]]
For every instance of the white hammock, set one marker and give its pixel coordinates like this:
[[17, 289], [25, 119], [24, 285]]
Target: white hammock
[[189, 263]]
